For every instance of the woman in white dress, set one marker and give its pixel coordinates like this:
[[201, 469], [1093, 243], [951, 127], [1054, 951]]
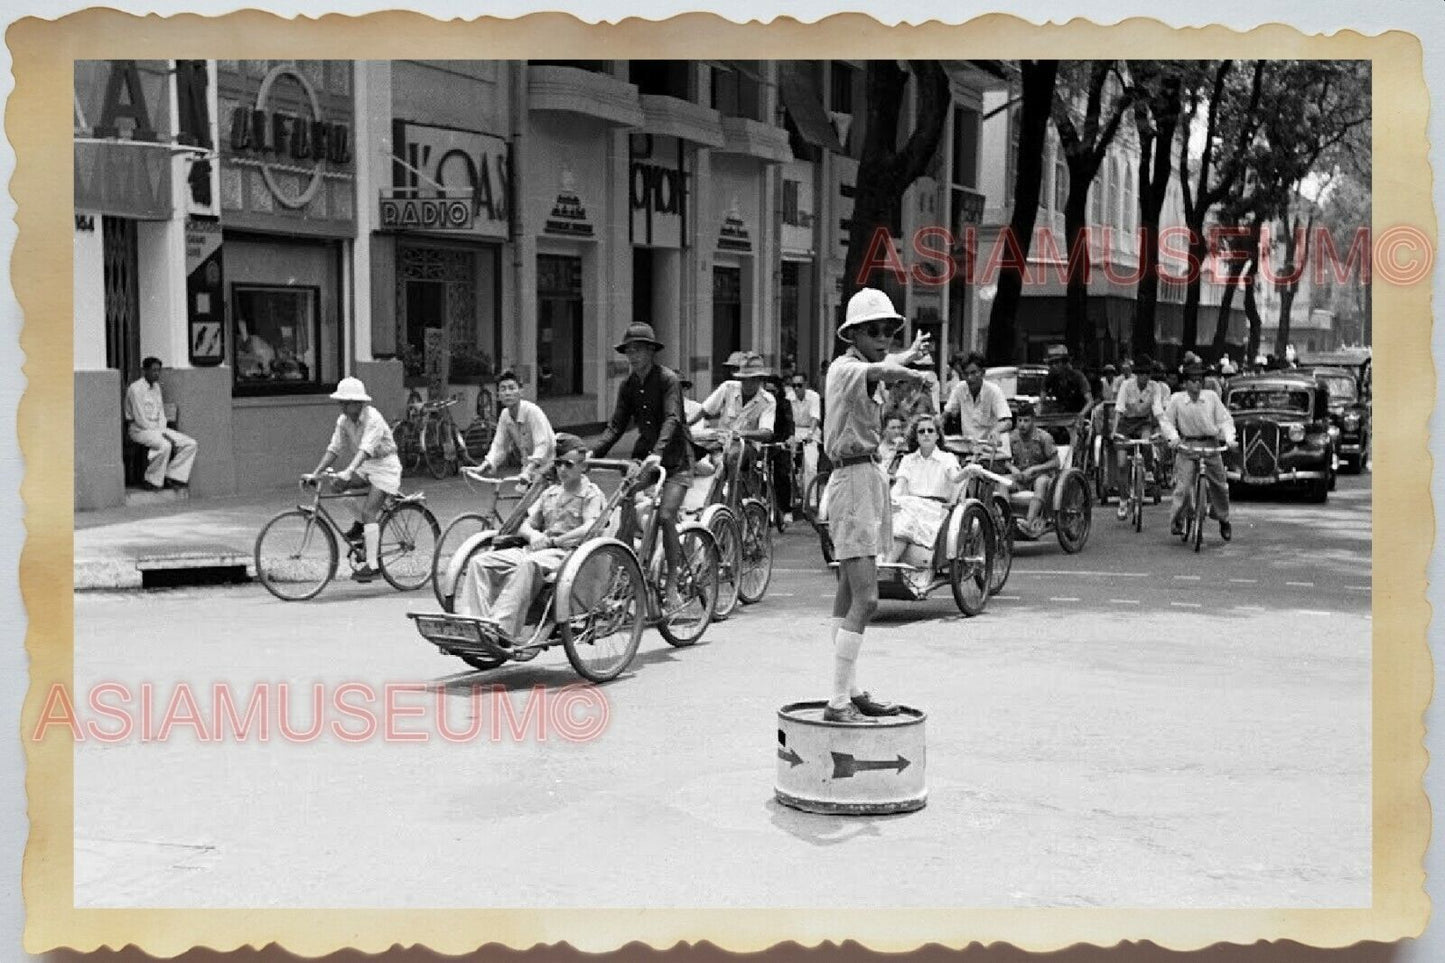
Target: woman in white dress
[[924, 487]]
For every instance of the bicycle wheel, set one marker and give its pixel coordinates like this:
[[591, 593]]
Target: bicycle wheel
[[1201, 509], [295, 555], [1136, 475], [724, 528], [606, 610], [433, 447], [757, 553], [408, 445], [459, 444], [461, 528], [1003, 550], [1073, 516], [409, 536], [697, 585], [971, 568]]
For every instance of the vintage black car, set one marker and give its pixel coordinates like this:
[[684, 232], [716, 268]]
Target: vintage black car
[[1285, 438], [1349, 412]]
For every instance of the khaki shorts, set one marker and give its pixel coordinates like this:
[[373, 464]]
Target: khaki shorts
[[860, 513]]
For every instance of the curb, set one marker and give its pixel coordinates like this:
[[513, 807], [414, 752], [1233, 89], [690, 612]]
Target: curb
[[129, 573]]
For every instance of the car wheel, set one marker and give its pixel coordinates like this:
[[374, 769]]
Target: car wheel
[[1319, 489]]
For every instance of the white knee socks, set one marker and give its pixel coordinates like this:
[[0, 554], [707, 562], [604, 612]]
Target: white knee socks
[[845, 663], [372, 534]]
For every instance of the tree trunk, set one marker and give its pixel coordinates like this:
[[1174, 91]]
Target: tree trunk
[[1078, 332], [1194, 270], [1226, 301], [1155, 156], [1251, 309], [1038, 94], [1289, 288]]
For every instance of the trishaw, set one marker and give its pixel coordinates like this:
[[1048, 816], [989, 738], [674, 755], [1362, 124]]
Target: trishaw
[[1068, 510], [601, 598], [480, 527], [961, 558], [991, 490]]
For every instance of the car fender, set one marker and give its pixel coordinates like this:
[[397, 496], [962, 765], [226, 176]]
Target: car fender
[[562, 593], [459, 560]]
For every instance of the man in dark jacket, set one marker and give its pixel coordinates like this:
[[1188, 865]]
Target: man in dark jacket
[[651, 400]]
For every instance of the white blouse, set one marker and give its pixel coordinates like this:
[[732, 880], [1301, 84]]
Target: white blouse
[[928, 476]]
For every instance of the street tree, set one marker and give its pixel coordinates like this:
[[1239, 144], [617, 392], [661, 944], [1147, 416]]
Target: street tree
[[1157, 105], [1090, 100], [1227, 108], [1035, 106], [886, 169]]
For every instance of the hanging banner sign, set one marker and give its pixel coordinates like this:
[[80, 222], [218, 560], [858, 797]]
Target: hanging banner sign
[[204, 292]]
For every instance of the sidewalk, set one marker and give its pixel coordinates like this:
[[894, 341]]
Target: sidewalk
[[114, 546]]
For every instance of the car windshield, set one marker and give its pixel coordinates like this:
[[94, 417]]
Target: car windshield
[[1270, 399], [1342, 387], [1030, 383]]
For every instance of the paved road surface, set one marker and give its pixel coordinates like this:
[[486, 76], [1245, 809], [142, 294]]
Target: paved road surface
[[1133, 726]]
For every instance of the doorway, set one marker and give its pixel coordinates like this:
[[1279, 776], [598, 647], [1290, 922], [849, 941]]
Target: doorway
[[122, 297], [727, 318]]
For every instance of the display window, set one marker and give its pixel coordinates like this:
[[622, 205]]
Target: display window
[[284, 306], [277, 333]]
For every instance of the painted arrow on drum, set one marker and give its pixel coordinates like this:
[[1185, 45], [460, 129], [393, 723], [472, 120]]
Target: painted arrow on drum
[[790, 757], [845, 766]]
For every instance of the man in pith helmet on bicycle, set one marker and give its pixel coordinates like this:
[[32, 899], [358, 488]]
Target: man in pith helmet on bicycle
[[1138, 406], [1196, 415], [740, 406], [362, 430], [859, 510]]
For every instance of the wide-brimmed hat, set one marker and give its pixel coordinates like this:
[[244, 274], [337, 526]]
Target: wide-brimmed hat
[[1194, 371], [638, 333], [736, 359], [752, 366], [350, 389], [869, 304], [1056, 352]]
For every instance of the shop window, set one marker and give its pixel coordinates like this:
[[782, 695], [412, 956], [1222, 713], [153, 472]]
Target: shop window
[[278, 335], [790, 201], [559, 325], [666, 78], [736, 92], [965, 147], [842, 88]]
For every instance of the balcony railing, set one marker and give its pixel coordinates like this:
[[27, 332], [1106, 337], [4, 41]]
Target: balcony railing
[[572, 90]]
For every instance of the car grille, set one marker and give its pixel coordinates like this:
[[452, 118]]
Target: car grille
[[1261, 449]]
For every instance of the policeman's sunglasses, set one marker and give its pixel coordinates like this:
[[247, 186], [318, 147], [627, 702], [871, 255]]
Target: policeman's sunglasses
[[878, 329], [799, 384]]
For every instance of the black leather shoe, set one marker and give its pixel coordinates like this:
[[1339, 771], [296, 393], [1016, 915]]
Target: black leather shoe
[[871, 707], [178, 485], [365, 574], [1225, 530], [849, 713], [1176, 529], [146, 486]]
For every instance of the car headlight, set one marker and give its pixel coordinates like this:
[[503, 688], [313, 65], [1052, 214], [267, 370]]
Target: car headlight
[[1296, 433], [1352, 420], [1334, 431]]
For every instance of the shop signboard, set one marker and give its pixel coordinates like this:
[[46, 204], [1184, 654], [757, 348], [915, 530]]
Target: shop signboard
[[798, 209], [658, 182], [734, 234], [434, 167], [122, 117], [286, 129], [204, 292], [568, 217]]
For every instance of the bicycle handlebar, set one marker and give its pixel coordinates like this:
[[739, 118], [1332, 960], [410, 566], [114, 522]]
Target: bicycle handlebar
[[474, 473], [1137, 442], [1201, 449], [978, 471], [438, 405]]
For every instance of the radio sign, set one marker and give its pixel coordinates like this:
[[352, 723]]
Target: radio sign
[[426, 214]]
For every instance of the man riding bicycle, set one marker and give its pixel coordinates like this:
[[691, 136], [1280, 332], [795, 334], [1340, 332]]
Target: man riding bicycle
[[1196, 415], [983, 413], [523, 431], [1138, 406], [374, 467], [743, 408]]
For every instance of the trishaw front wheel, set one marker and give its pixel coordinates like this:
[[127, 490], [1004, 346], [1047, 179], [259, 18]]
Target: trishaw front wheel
[[972, 563]]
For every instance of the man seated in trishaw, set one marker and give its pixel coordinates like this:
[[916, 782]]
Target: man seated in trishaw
[[1034, 466], [499, 586]]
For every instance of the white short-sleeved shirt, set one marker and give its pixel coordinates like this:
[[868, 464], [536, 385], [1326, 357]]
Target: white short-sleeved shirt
[[854, 424], [807, 413], [369, 433], [1131, 401], [727, 406], [145, 406], [928, 476], [979, 416]]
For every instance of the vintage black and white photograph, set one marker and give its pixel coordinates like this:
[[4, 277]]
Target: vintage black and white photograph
[[723, 484]]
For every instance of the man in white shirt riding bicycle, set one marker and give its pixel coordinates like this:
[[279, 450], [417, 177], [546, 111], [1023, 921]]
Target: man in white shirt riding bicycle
[[743, 408], [1138, 406], [983, 412], [1197, 416], [522, 430]]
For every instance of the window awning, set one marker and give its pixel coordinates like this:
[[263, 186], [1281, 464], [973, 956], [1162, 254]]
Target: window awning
[[804, 103]]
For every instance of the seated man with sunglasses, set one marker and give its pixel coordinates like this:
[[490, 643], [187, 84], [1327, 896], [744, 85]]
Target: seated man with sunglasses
[[500, 585]]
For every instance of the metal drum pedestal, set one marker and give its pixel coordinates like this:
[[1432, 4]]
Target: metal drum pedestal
[[846, 768]]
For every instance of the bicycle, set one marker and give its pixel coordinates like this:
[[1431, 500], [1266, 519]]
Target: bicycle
[[442, 443], [1197, 508], [769, 492], [296, 551], [488, 522], [1135, 487], [725, 528], [406, 432], [752, 512], [983, 487]]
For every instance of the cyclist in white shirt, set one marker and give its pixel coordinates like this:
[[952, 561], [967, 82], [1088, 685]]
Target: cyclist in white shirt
[[807, 423], [982, 410], [522, 429]]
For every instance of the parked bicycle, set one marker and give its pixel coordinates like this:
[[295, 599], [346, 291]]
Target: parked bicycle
[[406, 432], [443, 446], [297, 553]]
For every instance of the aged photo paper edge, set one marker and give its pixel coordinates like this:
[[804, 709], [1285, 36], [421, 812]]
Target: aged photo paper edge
[[1401, 670]]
